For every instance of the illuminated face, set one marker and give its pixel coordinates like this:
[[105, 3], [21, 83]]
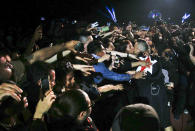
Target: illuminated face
[[70, 80], [130, 48], [129, 27], [52, 77], [136, 49], [148, 41], [5, 68], [87, 113]]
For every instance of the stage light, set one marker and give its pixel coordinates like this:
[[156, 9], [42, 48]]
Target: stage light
[[185, 17], [112, 14], [42, 18], [155, 14]]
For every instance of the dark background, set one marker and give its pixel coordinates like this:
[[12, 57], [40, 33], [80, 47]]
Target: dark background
[[28, 12]]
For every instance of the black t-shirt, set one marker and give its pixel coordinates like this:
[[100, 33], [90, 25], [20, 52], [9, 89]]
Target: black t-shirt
[[152, 89]]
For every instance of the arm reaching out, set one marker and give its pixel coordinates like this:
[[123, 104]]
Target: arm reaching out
[[192, 58], [45, 53], [54, 58], [38, 34], [44, 105], [10, 90], [121, 54]]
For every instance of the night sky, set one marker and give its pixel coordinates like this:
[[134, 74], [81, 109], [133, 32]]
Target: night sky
[[28, 12]]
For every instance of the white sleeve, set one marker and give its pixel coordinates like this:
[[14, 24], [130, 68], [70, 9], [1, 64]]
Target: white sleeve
[[166, 75]]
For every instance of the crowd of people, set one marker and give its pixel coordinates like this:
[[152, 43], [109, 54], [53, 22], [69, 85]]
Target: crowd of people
[[80, 77]]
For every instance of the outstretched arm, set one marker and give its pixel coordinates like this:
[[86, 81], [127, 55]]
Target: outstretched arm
[[121, 54], [54, 58], [36, 36], [192, 58], [45, 53]]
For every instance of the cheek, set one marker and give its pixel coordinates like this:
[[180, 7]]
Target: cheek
[[67, 83], [2, 59], [53, 75], [72, 81]]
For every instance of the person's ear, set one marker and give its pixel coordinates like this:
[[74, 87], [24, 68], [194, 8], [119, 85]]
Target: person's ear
[[39, 82], [82, 115]]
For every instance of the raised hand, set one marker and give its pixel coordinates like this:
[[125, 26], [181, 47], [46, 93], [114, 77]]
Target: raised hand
[[139, 75], [70, 44], [44, 105], [38, 34], [10, 90], [144, 63], [84, 68], [103, 58]]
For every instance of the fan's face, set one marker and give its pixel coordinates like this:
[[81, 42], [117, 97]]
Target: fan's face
[[52, 77], [136, 49], [5, 68]]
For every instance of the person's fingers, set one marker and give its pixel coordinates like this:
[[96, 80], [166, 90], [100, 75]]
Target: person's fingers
[[52, 96], [87, 59], [13, 95], [25, 102], [90, 69], [25, 105], [120, 87], [48, 92], [86, 66], [12, 86], [87, 73], [7, 88], [51, 99]]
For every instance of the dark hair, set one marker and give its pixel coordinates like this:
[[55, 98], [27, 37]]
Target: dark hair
[[37, 71], [121, 45], [71, 104], [138, 117], [94, 47], [105, 42], [62, 69]]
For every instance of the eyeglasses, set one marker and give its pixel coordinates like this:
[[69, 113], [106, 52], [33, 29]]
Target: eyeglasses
[[92, 104]]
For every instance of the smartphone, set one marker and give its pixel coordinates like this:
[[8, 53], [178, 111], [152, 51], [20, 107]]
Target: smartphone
[[45, 86]]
